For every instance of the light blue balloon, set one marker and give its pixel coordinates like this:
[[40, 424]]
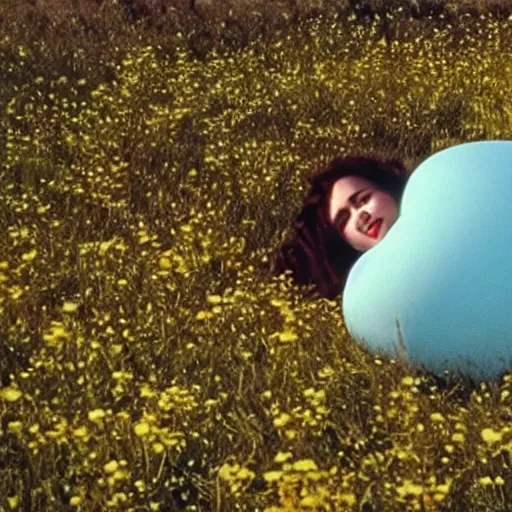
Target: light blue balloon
[[443, 272]]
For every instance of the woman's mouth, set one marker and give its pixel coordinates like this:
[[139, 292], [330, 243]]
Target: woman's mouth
[[373, 230]]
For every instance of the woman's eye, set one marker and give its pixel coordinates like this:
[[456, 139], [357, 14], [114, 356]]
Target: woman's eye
[[346, 214], [344, 219], [365, 198]]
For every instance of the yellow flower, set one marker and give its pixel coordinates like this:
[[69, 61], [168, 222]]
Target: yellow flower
[[327, 371], [29, 256], [111, 467], [444, 488], [282, 457], [213, 299], [11, 394], [13, 501], [146, 391], [282, 420], [244, 473], [348, 498], [120, 475], [226, 470], [458, 437], [165, 263], [437, 417], [272, 476], [287, 336], [490, 436], [142, 429], [158, 448], [203, 314], [312, 501], [408, 381], [409, 488], [80, 432], [69, 307], [14, 427], [96, 414], [75, 501], [57, 333], [485, 480], [305, 465]]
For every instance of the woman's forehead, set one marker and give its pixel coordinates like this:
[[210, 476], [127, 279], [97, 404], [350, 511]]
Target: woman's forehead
[[342, 189]]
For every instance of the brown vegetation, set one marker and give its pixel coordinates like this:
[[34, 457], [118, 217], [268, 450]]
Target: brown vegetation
[[147, 359]]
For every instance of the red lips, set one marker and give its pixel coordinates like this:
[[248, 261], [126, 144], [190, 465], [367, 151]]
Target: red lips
[[374, 228]]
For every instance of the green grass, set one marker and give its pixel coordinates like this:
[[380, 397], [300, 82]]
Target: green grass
[[148, 361]]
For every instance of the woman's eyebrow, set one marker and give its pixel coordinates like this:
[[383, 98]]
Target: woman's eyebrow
[[352, 199]]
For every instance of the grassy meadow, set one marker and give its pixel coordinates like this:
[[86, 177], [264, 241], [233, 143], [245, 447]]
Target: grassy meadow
[[148, 361]]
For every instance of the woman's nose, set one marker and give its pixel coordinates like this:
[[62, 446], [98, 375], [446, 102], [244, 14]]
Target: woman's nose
[[363, 219]]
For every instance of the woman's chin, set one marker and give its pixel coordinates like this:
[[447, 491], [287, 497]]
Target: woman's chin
[[373, 242]]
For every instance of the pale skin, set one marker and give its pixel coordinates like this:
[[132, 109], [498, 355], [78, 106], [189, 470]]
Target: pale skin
[[355, 203]]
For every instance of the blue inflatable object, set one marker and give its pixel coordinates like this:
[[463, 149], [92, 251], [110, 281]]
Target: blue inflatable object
[[437, 289]]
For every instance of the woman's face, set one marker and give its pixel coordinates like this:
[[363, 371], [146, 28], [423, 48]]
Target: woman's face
[[355, 204]]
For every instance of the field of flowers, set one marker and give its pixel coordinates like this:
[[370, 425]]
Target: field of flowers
[[148, 361]]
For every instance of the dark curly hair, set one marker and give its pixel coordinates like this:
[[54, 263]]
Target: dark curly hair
[[318, 255]]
